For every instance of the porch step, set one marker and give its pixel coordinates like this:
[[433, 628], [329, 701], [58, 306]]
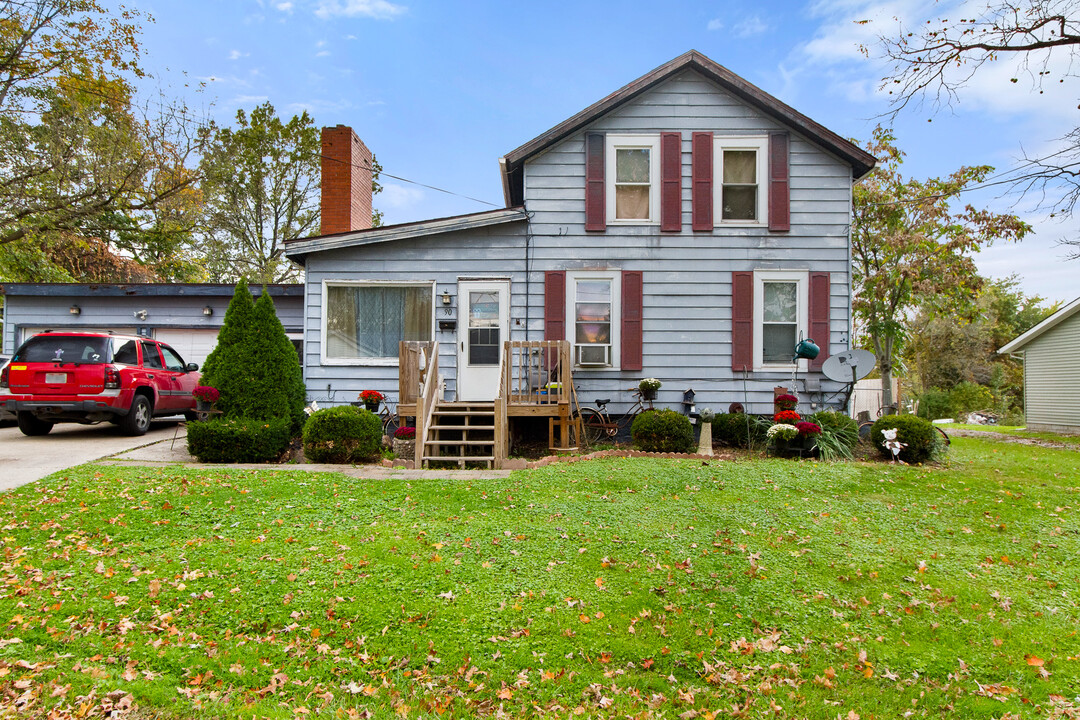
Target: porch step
[[461, 433]]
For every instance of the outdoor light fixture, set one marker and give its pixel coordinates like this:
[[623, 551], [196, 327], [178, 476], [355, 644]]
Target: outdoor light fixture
[[75, 310], [208, 311], [446, 297], [140, 314]]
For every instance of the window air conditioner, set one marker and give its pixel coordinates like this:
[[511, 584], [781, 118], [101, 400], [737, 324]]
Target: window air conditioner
[[593, 355]]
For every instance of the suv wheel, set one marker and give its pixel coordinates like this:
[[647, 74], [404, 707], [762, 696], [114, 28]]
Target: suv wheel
[[137, 421], [32, 426]]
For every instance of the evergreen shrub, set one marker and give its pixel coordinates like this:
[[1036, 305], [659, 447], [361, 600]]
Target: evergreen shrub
[[919, 435], [663, 431], [342, 434], [737, 430], [935, 403], [239, 440]]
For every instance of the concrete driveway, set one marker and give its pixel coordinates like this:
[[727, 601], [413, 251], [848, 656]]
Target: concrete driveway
[[26, 459]]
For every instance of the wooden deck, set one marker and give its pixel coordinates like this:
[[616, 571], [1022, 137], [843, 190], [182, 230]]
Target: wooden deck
[[535, 381]]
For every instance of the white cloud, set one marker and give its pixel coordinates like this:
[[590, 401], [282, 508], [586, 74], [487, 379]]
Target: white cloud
[[399, 197], [285, 7], [750, 26], [715, 24], [236, 55], [249, 99], [322, 53], [376, 9]]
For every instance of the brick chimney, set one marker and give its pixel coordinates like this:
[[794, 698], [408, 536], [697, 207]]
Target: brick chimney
[[346, 181]]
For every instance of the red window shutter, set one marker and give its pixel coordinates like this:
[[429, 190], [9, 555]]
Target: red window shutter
[[594, 183], [742, 321], [819, 316], [701, 181], [555, 305], [671, 181], [631, 320], [779, 183]]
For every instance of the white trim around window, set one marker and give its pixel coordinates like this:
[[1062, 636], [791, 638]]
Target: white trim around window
[[800, 317], [612, 145], [758, 144], [614, 333], [387, 360]]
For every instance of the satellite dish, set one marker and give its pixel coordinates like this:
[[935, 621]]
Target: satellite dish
[[849, 366]]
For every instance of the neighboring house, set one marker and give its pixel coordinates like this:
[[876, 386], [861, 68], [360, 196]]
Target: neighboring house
[[1051, 353], [186, 316], [688, 227]]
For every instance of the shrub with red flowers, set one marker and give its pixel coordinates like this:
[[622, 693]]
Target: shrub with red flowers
[[789, 417], [405, 433], [807, 429], [206, 393], [371, 397], [786, 402]]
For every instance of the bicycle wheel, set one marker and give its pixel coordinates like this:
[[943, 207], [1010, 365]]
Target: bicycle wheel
[[864, 430], [944, 435], [592, 425], [390, 424]]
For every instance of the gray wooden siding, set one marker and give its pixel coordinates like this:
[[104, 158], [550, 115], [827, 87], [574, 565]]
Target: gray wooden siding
[[498, 251], [1052, 378], [687, 275]]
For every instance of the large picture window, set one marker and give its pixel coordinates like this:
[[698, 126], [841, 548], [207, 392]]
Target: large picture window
[[366, 322]]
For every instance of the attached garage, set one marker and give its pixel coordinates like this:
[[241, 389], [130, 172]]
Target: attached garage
[[193, 344], [186, 316]]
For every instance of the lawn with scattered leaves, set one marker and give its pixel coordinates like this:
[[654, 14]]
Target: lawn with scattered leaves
[[622, 587]]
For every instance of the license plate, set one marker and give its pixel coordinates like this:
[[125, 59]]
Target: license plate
[[55, 378]]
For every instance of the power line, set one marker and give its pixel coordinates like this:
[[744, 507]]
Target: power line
[[383, 173]]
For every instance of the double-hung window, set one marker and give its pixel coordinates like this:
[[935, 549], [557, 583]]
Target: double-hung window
[[780, 300], [593, 317], [741, 195], [633, 181], [365, 321]]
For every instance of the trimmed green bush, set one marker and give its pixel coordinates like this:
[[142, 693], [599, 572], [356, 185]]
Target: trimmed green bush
[[662, 431], [737, 430], [919, 435], [229, 440], [342, 434], [934, 404], [839, 434]]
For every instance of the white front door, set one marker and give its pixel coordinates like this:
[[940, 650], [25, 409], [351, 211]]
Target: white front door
[[483, 325]]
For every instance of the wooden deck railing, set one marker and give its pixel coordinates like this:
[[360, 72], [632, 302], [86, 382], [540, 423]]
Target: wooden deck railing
[[536, 372], [418, 384]]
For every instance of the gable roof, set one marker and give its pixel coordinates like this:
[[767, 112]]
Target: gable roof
[[1056, 319], [512, 163], [296, 249]]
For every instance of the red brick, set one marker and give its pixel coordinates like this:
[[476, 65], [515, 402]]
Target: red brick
[[346, 181]]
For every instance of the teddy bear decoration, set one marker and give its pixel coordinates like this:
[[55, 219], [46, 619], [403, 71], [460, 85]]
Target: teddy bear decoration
[[892, 444]]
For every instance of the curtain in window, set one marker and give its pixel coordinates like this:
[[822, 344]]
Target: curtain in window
[[370, 321]]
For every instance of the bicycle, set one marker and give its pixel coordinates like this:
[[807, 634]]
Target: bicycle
[[389, 418], [596, 423]]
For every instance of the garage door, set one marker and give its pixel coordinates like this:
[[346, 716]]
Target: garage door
[[193, 345]]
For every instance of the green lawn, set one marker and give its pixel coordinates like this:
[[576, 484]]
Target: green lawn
[[623, 587]]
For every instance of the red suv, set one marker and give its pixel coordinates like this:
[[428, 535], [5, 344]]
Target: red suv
[[91, 377]]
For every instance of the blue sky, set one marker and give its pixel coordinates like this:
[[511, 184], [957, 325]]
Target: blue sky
[[440, 90]]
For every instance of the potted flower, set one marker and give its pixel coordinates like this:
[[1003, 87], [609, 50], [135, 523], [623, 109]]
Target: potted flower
[[371, 399], [648, 388], [404, 442], [780, 435], [786, 402], [789, 417], [205, 397]]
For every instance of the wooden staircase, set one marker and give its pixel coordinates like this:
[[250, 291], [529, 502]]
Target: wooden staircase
[[461, 433]]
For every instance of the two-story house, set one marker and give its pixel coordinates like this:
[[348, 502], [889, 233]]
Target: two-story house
[[688, 227]]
